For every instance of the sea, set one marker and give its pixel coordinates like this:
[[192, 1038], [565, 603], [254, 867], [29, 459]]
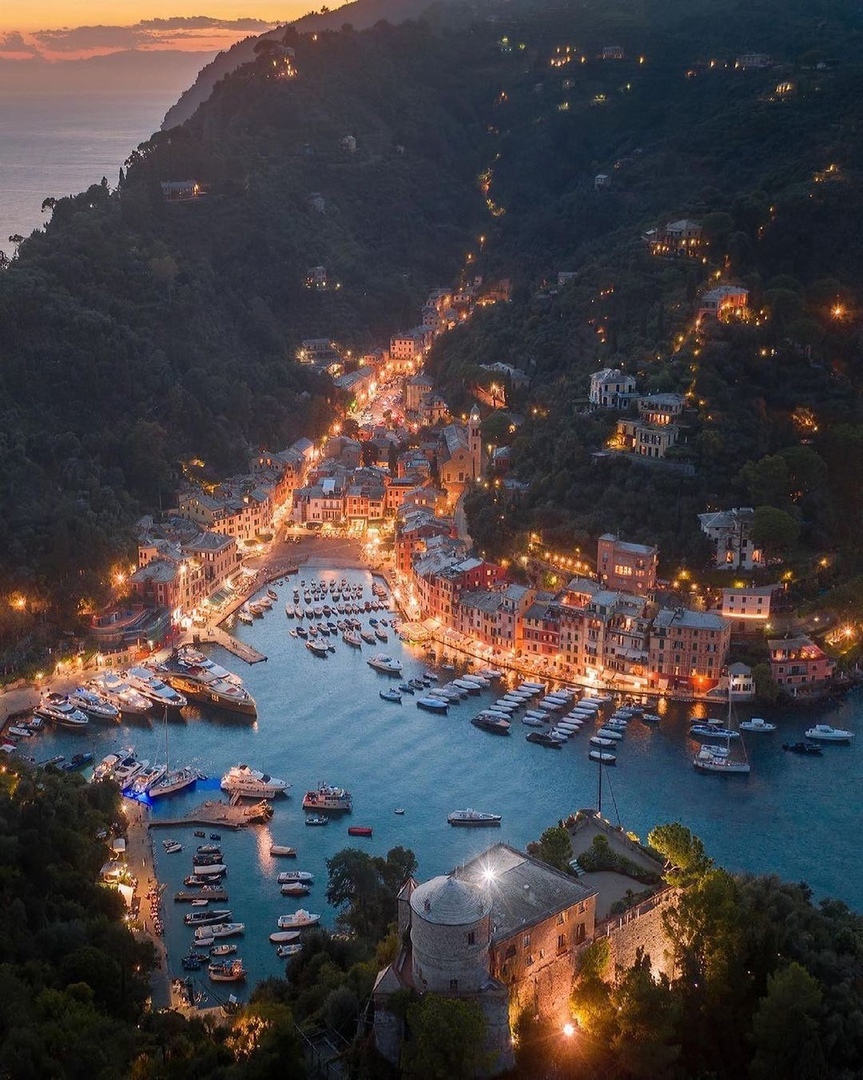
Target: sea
[[55, 145], [323, 720]]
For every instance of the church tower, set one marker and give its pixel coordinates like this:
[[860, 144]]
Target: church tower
[[474, 442]]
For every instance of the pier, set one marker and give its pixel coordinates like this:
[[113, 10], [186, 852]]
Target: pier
[[215, 635], [186, 896], [227, 816]]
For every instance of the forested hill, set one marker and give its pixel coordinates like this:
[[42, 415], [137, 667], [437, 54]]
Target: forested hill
[[358, 14], [136, 332]]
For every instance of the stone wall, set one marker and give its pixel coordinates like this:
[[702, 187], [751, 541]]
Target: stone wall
[[641, 928]]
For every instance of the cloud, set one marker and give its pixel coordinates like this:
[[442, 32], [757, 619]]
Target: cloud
[[205, 22], [85, 38], [13, 42]]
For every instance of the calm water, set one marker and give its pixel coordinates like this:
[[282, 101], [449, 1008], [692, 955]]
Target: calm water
[[323, 720], [54, 145]]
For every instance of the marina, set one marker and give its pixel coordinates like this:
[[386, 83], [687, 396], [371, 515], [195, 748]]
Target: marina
[[336, 732]]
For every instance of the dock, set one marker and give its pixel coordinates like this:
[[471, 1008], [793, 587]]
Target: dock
[[226, 816], [185, 896], [215, 635]]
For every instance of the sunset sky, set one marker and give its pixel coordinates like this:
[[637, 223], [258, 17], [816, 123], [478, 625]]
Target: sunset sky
[[43, 28]]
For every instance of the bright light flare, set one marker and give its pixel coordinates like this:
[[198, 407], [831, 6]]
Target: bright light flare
[[569, 1030]]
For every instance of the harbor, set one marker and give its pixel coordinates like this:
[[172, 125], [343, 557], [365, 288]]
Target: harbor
[[322, 719]]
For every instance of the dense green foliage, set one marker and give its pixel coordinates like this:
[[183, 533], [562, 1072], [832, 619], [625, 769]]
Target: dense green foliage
[[765, 983]]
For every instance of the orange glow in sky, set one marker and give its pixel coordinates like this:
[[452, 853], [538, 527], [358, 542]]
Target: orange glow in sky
[[54, 31]]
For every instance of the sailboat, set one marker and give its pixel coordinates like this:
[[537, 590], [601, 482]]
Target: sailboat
[[173, 780], [718, 759]]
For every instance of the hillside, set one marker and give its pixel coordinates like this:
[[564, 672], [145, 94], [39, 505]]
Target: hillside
[[359, 14], [135, 333]]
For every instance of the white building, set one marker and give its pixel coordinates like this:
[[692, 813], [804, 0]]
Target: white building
[[730, 531], [611, 388]]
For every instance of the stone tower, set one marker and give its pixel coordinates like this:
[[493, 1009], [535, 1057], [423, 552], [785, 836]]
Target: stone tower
[[450, 934], [474, 442]]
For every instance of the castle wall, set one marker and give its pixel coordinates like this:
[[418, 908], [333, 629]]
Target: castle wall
[[642, 928], [450, 958]]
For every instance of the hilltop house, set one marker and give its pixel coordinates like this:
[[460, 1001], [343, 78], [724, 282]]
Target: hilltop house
[[730, 531], [611, 388], [625, 566], [797, 663]]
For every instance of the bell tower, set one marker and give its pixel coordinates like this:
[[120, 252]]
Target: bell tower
[[474, 442]]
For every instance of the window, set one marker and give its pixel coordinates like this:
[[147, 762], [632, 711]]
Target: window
[[471, 938], [561, 943], [453, 985], [580, 933], [561, 918]]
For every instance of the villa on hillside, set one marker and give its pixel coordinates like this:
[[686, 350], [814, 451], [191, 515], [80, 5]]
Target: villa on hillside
[[730, 531]]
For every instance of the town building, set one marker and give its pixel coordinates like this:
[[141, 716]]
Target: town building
[[797, 663], [731, 534], [681, 237], [660, 410], [748, 608], [415, 388], [181, 190], [611, 388], [643, 439], [504, 930], [687, 649], [460, 458], [723, 302], [626, 567]]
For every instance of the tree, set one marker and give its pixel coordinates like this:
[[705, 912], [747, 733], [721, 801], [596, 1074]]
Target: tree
[[555, 848], [447, 1036], [774, 530], [645, 1043], [683, 851], [785, 1027]]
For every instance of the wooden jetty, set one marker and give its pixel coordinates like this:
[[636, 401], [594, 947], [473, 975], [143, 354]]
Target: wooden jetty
[[186, 896]]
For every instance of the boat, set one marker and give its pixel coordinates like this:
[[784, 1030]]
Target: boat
[[245, 781], [328, 798], [299, 919], [318, 648], [192, 962], [533, 721], [826, 733], [205, 873], [221, 930], [359, 830], [713, 730], [317, 819], [756, 723], [145, 780], [295, 888], [717, 760], [200, 832], [20, 732], [284, 937], [227, 971], [381, 634], [284, 951], [287, 876], [200, 684], [614, 734], [542, 738], [472, 818], [223, 950], [406, 688], [95, 705], [77, 761], [391, 695], [433, 704], [399, 810], [597, 740], [60, 711], [273, 595], [604, 757], [351, 637], [206, 860], [154, 688], [281, 849], [244, 615], [495, 724], [172, 846], [208, 849], [652, 718], [807, 749], [386, 664], [173, 781], [127, 769], [204, 918]]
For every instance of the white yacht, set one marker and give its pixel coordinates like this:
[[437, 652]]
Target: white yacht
[[129, 701], [756, 724], [60, 711], [298, 919], [716, 760], [825, 733], [174, 780], [152, 687], [472, 818], [95, 705], [243, 780]]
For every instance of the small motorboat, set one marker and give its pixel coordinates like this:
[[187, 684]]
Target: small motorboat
[[433, 704], [200, 833], [391, 695], [284, 951], [284, 937], [406, 688], [294, 888], [399, 810], [283, 850], [495, 724], [172, 846], [298, 920], [359, 830], [317, 819], [223, 950], [804, 748], [543, 738], [756, 724], [472, 818], [603, 757]]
